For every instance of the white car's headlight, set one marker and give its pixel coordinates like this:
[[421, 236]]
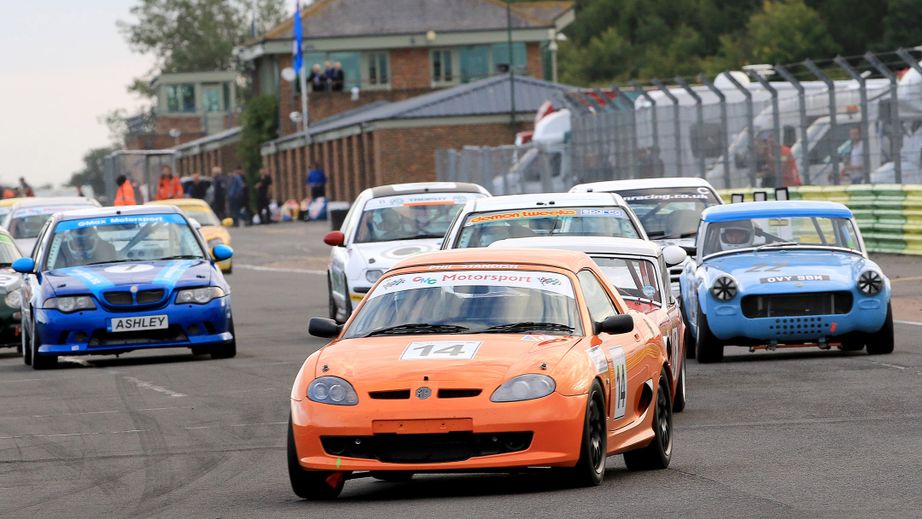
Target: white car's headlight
[[524, 387], [724, 288], [13, 299], [372, 275], [68, 304], [870, 282], [333, 391], [199, 296]]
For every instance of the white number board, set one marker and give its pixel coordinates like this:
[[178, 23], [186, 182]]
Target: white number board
[[441, 350], [620, 395]]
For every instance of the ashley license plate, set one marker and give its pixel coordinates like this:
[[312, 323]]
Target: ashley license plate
[[134, 324]]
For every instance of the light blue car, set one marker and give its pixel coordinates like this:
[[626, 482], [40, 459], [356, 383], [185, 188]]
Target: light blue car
[[781, 274]]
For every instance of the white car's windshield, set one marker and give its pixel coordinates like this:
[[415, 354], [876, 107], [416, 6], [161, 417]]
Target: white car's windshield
[[669, 212], [815, 231], [482, 229], [28, 221], [469, 301], [409, 217], [115, 239], [633, 278]]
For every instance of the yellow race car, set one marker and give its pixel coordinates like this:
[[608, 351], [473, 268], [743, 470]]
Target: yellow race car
[[212, 229]]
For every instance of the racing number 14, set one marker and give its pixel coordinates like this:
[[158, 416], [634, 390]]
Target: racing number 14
[[441, 350]]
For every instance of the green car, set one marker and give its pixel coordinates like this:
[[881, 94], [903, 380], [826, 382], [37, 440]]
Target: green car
[[10, 283]]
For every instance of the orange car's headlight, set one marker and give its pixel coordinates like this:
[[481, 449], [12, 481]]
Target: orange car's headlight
[[332, 390], [524, 387]]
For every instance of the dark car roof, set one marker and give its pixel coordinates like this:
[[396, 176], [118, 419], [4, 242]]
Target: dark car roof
[[426, 187], [103, 212]]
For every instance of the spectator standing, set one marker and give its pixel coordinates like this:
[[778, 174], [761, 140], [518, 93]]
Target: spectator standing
[[246, 209], [169, 186], [235, 191], [316, 181], [328, 74], [219, 192], [124, 195], [317, 79], [263, 192], [338, 78], [197, 188], [766, 152], [25, 188], [853, 170]]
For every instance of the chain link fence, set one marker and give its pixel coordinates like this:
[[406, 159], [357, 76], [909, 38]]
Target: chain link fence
[[850, 120]]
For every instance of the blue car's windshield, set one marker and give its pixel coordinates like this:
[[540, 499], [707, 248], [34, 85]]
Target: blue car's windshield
[[813, 231], [122, 238]]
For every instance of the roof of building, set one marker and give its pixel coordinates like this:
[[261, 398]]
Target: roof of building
[[344, 18], [771, 209], [490, 96], [217, 139]]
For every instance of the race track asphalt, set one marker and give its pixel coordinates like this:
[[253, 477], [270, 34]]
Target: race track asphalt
[[781, 434]]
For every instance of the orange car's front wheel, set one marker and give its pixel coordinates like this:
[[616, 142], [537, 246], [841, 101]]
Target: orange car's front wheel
[[311, 484], [590, 469]]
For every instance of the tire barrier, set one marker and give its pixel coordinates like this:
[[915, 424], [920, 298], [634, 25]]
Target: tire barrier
[[889, 215]]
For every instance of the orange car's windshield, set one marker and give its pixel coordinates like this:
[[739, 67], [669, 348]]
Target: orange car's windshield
[[469, 301]]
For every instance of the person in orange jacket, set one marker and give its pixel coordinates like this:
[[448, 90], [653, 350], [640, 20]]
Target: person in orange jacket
[[169, 187], [125, 193]]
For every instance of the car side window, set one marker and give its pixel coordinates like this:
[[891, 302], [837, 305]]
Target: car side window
[[40, 242], [668, 299], [597, 299]]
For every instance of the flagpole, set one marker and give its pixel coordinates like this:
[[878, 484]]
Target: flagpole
[[303, 80]]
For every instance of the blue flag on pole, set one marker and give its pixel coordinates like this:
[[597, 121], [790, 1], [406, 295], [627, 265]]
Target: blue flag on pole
[[299, 38]]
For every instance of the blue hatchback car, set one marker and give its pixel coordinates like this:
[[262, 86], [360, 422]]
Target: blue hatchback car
[[113, 280], [780, 274]]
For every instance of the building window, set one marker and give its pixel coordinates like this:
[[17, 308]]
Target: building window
[[500, 52], [377, 73], [443, 67], [211, 97], [180, 98]]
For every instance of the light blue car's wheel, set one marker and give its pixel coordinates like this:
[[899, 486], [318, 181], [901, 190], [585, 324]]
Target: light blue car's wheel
[[882, 342], [708, 348]]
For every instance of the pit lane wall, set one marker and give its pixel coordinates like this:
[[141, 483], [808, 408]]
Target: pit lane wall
[[889, 215]]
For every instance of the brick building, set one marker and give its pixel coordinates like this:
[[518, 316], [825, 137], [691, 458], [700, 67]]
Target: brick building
[[383, 143]]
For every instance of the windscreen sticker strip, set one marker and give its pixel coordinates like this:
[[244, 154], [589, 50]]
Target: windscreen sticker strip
[[68, 225], [546, 281], [422, 199], [588, 212]]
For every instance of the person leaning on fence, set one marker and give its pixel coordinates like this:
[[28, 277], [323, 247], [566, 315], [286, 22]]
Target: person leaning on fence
[[338, 77], [169, 186], [853, 167], [765, 162], [124, 195]]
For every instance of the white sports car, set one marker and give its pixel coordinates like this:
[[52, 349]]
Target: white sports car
[[385, 225]]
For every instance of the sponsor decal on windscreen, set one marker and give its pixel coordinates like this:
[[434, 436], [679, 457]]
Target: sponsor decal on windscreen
[[546, 281], [419, 200]]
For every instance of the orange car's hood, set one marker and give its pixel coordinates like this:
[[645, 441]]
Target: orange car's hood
[[375, 362]]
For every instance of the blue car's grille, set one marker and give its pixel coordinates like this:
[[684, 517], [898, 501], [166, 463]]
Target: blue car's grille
[[126, 298], [797, 305]]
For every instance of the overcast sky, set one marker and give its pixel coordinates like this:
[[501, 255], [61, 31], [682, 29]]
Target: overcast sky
[[64, 64]]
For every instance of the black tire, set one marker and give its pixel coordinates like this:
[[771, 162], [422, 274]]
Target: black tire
[[309, 484], [332, 302], [227, 350], [26, 347], [852, 345], [658, 453], [881, 343], [709, 349], [689, 343], [678, 403], [590, 469], [41, 361], [392, 476]]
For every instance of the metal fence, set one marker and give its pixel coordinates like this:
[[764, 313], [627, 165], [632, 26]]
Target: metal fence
[[141, 167], [839, 121]]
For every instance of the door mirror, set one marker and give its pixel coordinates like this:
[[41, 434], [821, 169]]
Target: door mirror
[[24, 265], [222, 252], [335, 239], [326, 328], [615, 325], [674, 255], [227, 222]]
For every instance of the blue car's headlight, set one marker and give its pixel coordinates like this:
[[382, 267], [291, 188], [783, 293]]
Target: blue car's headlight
[[524, 387], [870, 282], [199, 296], [68, 304], [332, 390], [724, 288]]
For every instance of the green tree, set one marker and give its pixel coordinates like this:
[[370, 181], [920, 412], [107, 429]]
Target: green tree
[[902, 25], [194, 35], [854, 25], [259, 123], [785, 31], [93, 169]]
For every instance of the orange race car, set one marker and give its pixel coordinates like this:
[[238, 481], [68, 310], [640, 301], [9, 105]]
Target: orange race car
[[487, 360]]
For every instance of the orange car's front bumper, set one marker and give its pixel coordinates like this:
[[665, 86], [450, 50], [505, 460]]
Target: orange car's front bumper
[[555, 421]]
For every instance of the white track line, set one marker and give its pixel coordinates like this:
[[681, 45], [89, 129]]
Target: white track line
[[277, 269], [908, 323]]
